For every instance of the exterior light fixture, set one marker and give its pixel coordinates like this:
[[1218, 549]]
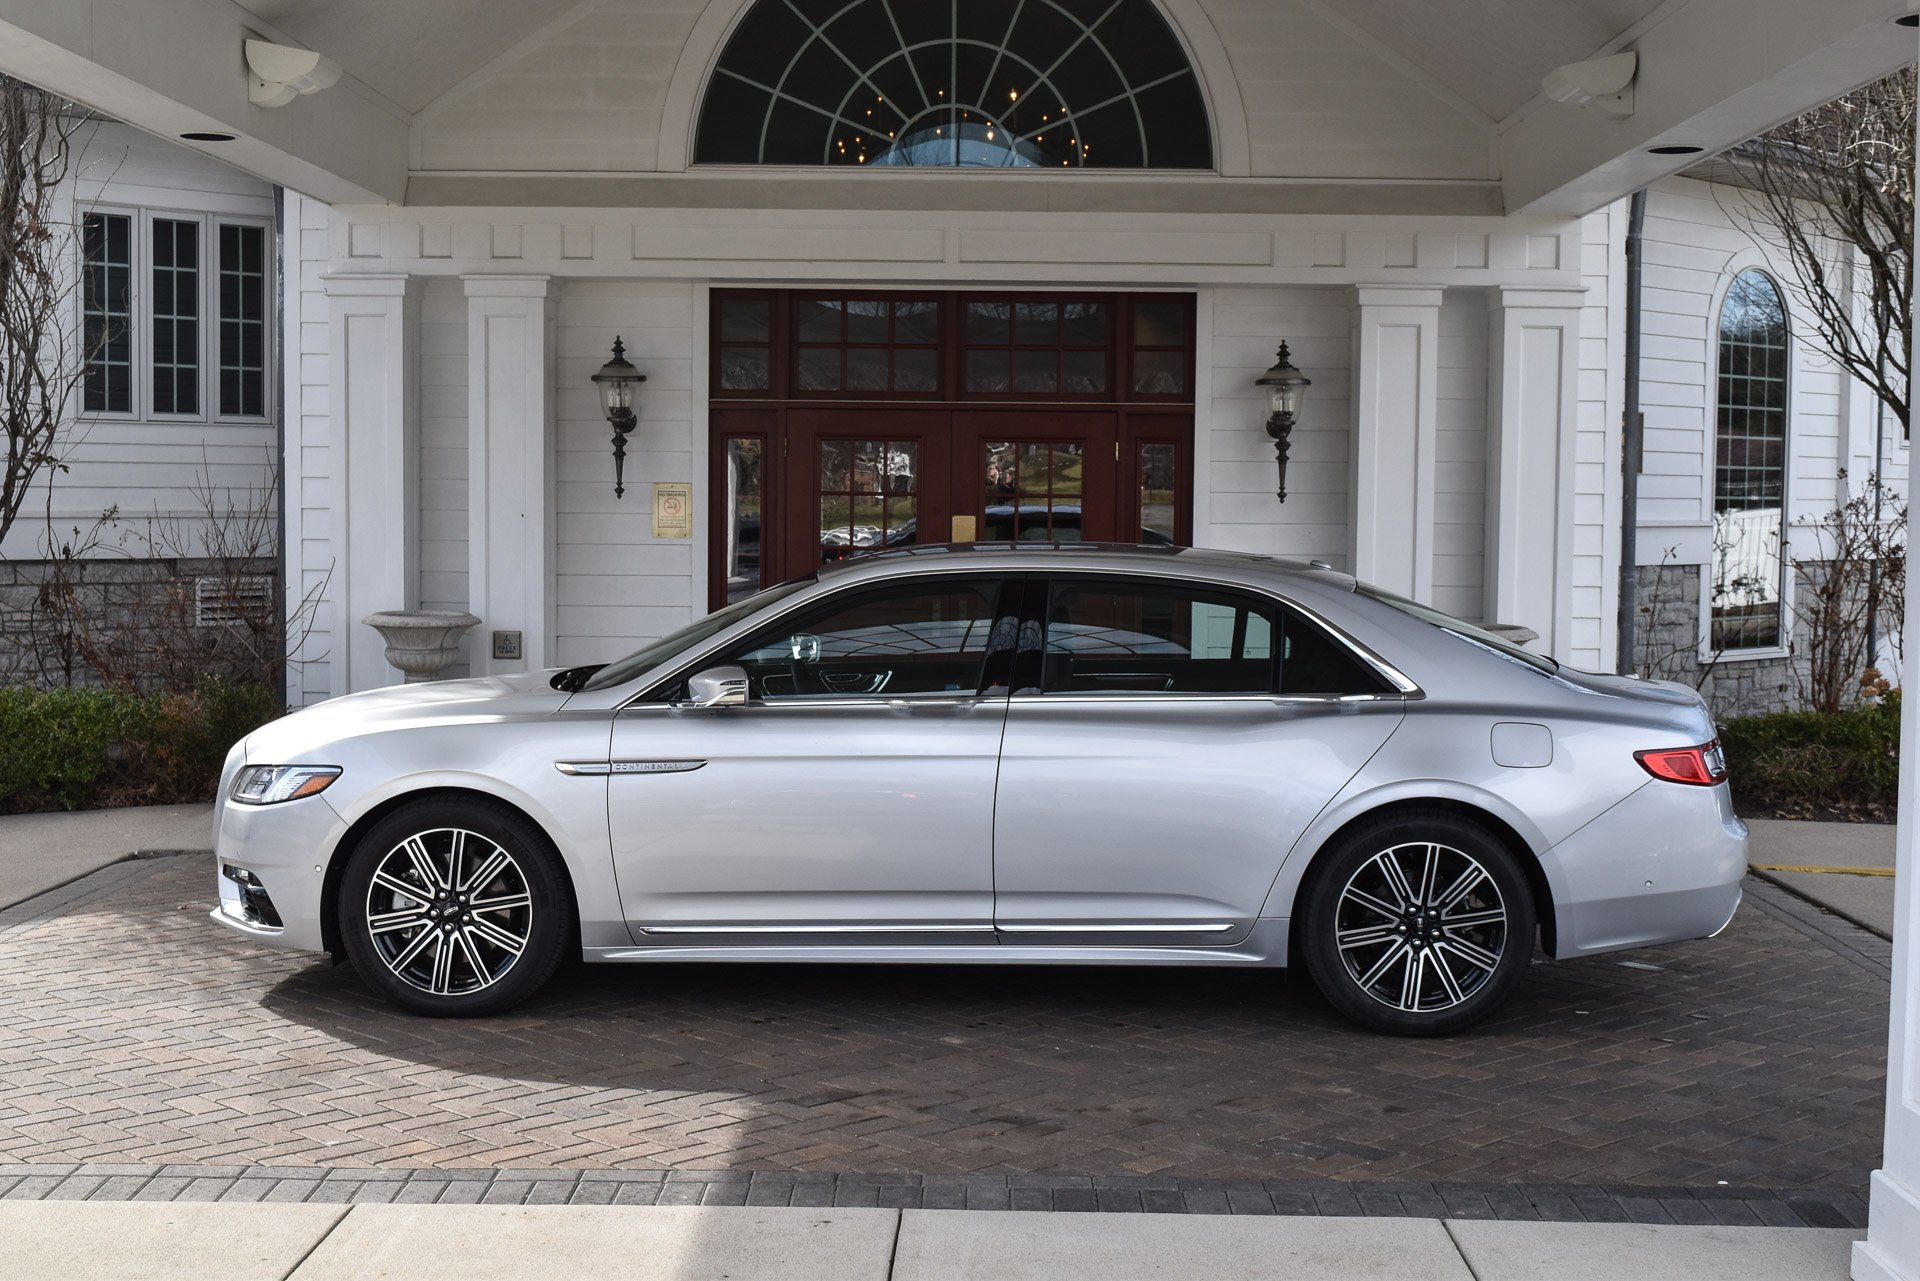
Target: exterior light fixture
[[617, 379], [1284, 385]]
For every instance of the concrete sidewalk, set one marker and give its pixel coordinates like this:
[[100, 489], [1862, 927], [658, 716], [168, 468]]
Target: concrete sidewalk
[[1867, 901], [39, 852], [71, 1241]]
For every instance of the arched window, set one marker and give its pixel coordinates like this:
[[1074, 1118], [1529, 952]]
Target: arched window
[[1750, 467], [1076, 84]]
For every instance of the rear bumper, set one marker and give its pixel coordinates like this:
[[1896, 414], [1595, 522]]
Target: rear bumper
[[1663, 865]]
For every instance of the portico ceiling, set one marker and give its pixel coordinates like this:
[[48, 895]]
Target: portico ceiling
[[1443, 93]]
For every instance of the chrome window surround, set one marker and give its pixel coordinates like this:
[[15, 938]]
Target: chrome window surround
[[651, 694]]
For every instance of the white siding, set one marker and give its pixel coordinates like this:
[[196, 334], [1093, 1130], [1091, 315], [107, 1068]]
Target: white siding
[[1240, 476], [150, 469], [618, 585], [1460, 476], [1596, 454]]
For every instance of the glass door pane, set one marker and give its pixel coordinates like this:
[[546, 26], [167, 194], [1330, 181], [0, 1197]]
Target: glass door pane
[[745, 479]]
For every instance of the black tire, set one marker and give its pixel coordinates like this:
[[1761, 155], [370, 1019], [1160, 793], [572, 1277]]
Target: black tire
[[483, 974], [1403, 956]]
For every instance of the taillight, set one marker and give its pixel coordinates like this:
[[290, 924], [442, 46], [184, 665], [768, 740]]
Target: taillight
[[1702, 766]]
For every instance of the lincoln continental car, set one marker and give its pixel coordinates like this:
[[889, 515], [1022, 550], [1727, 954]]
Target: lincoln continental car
[[1063, 755]]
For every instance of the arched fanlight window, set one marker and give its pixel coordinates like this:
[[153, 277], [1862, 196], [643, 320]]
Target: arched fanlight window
[[1077, 84], [1750, 467]]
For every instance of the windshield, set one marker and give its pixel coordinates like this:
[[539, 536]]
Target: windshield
[[1447, 622], [620, 671]]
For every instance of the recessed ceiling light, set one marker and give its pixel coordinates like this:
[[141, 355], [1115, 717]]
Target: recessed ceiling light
[[1907, 20], [199, 135], [1676, 149]]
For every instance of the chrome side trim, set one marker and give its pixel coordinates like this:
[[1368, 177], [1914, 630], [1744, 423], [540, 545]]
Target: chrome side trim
[[1208, 927], [601, 768], [816, 929]]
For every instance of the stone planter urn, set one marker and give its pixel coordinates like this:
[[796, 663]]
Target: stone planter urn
[[421, 642]]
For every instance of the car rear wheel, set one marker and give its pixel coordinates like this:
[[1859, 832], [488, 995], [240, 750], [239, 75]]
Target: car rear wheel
[[1419, 924], [455, 909]]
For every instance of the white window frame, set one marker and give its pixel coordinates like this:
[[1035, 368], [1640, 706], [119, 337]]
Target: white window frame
[[140, 316], [1710, 468]]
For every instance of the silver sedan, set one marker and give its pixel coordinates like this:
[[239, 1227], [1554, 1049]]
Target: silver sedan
[[1097, 755]]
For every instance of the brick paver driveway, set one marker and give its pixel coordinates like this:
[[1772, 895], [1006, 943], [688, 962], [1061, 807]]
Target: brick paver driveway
[[134, 1030]]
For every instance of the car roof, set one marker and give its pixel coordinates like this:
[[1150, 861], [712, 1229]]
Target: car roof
[[1054, 557]]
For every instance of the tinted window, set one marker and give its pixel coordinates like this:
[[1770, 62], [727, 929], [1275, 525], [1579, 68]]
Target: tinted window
[[1313, 662], [916, 639], [1157, 639]]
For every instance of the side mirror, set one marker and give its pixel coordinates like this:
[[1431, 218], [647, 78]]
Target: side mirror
[[718, 687]]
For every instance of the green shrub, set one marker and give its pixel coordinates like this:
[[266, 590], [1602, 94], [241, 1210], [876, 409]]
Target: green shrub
[[98, 748], [1842, 765]]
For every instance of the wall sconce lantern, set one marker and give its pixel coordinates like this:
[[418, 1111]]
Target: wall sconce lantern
[[617, 379], [1284, 385]]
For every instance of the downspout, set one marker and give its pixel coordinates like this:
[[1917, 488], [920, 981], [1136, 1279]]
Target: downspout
[[1630, 445], [280, 430]]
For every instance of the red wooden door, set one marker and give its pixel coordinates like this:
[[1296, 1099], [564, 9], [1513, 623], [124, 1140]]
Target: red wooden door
[[862, 480], [1037, 476]]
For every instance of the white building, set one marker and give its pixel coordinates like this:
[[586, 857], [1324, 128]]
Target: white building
[[492, 193]]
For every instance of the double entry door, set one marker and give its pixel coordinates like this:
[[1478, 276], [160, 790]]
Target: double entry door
[[801, 487]]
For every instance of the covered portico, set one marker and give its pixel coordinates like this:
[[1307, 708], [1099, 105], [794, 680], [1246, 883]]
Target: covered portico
[[492, 192]]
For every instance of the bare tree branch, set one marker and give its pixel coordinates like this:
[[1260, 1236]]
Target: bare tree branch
[[1835, 194]]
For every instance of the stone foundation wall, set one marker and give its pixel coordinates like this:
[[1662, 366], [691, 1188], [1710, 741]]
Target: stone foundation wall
[[1668, 647], [139, 611]]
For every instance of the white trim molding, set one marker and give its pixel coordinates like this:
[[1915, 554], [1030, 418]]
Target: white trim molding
[[1396, 423]]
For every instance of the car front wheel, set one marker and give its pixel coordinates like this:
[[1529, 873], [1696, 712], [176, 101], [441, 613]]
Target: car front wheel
[[1418, 925], [455, 909]]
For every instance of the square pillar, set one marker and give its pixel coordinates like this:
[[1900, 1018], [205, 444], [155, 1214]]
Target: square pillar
[[510, 508], [373, 350], [1396, 408], [1533, 370]]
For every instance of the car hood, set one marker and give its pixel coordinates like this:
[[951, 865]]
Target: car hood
[[518, 696]]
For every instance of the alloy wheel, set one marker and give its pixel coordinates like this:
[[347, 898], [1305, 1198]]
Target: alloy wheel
[[449, 911], [1421, 927]]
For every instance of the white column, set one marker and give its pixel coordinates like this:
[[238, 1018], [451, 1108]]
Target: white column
[[373, 353], [510, 510], [1396, 409], [1891, 1251], [1533, 369]]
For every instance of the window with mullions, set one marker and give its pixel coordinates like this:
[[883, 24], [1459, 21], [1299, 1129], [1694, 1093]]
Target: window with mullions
[[866, 344], [1037, 347], [176, 316], [106, 310], [1074, 84], [1750, 467], [243, 320]]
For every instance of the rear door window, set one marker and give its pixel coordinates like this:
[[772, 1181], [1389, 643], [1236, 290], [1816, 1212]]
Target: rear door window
[[1121, 637]]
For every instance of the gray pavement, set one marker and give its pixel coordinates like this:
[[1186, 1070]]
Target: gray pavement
[[72, 1241], [39, 852], [1865, 900]]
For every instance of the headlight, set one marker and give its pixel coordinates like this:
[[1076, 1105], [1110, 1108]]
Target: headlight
[[271, 784]]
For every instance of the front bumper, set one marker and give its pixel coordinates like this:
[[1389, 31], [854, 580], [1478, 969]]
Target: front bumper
[[285, 847], [1663, 865]]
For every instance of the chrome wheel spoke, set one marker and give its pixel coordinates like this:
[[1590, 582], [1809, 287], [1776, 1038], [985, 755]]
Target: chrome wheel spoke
[[1444, 972], [387, 922], [443, 965], [1413, 980], [1365, 935], [1429, 869], [505, 940], [484, 874], [1361, 898], [502, 904], [413, 949], [1390, 868], [472, 955], [1461, 887], [400, 887], [423, 865], [1472, 953], [1480, 916], [1385, 963]]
